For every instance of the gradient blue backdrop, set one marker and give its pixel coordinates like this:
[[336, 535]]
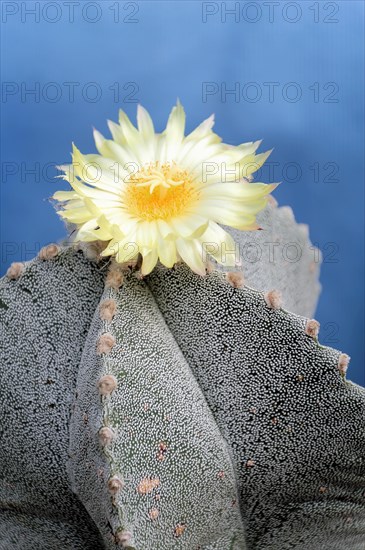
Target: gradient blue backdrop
[[169, 50]]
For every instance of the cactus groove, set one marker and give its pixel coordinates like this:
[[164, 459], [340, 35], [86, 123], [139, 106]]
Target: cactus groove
[[176, 411]]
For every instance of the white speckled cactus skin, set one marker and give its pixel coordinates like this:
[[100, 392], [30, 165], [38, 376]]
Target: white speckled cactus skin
[[166, 448], [281, 256], [296, 427], [174, 412], [45, 316]]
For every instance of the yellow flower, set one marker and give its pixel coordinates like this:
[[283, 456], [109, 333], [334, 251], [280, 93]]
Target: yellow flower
[[163, 195]]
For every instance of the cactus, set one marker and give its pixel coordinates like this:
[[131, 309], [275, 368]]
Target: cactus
[[164, 462], [296, 427], [45, 309], [175, 411], [281, 256]]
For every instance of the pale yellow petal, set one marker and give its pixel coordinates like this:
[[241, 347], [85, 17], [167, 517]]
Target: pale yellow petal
[[219, 155], [91, 231], [149, 261], [164, 229], [191, 154], [166, 250], [117, 133], [116, 152], [124, 249], [173, 134], [130, 132], [201, 131], [76, 215], [174, 208], [147, 233], [234, 217], [127, 251], [148, 142], [219, 244], [237, 190], [175, 127], [190, 226], [192, 253], [251, 163], [145, 124], [64, 195], [111, 249]]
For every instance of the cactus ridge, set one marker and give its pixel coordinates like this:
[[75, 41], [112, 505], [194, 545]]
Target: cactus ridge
[[176, 484], [44, 321], [295, 425], [281, 257], [175, 411]]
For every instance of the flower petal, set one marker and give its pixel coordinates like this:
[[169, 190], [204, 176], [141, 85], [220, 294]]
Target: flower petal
[[150, 258], [237, 190], [64, 195], [113, 150], [166, 249], [190, 226], [76, 215], [204, 129], [91, 231], [191, 252], [173, 134], [145, 124], [148, 218], [220, 245]]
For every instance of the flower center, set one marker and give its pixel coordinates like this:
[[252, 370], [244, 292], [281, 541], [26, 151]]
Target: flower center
[[159, 191]]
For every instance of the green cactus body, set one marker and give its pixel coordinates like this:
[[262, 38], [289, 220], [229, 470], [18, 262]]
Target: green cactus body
[[281, 256], [177, 484], [45, 316], [176, 411], [295, 425]]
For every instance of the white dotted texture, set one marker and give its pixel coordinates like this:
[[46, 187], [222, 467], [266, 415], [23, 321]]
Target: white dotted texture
[[44, 319], [293, 427], [281, 256], [296, 427], [165, 437], [27, 532]]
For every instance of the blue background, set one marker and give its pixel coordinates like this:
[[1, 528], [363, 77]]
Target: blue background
[[167, 50]]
